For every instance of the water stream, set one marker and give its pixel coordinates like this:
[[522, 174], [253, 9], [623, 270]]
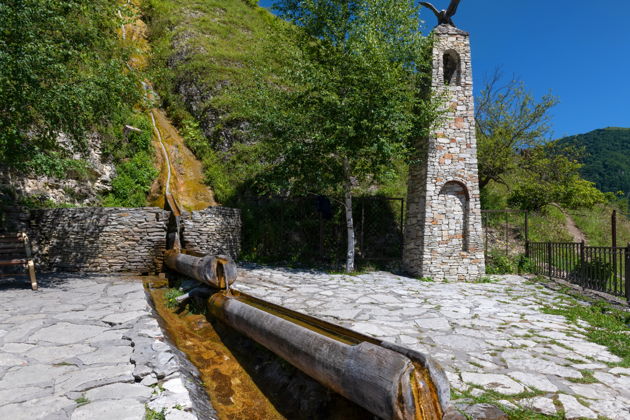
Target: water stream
[[243, 379]]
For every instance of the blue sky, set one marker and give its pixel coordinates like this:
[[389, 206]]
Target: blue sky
[[577, 49]]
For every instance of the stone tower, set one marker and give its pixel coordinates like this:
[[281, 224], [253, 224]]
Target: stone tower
[[443, 233]]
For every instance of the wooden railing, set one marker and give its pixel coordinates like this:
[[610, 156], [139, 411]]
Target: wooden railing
[[604, 269]]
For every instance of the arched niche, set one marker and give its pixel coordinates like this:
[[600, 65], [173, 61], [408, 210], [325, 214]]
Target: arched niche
[[455, 208], [452, 68]]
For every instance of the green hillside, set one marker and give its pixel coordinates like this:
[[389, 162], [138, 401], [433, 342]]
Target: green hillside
[[203, 51], [606, 158], [67, 91]]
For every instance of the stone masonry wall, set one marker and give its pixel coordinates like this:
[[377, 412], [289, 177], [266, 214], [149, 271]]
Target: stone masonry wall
[[215, 230], [443, 233], [119, 240], [93, 239]]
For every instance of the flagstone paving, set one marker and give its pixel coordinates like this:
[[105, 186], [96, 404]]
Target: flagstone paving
[[487, 336], [85, 347]]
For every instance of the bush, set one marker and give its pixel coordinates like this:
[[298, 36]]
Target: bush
[[62, 71], [525, 265], [500, 264], [132, 183]]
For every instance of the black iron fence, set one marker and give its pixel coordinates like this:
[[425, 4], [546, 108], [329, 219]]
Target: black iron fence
[[312, 230], [605, 269]]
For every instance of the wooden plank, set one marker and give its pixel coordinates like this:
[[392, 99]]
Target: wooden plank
[[31, 274], [14, 262]]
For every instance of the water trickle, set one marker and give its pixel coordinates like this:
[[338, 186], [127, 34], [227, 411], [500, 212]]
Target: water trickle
[[243, 379]]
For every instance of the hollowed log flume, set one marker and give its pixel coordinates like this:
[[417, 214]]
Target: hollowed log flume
[[215, 271], [389, 381]]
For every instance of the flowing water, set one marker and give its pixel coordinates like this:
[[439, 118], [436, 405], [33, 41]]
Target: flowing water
[[243, 379]]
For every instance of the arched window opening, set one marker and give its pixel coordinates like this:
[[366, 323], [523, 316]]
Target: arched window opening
[[452, 68], [454, 203]]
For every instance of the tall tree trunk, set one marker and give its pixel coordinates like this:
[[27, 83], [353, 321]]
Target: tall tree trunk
[[347, 192]]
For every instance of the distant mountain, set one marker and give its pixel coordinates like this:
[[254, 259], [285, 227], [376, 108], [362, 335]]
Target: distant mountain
[[607, 157]]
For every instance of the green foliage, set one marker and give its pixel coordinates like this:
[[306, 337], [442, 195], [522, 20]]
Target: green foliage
[[211, 45], [54, 164], [132, 182], [606, 159], [170, 297], [525, 265], [353, 101], [151, 414], [595, 224], [508, 120], [62, 71], [548, 224], [549, 174], [497, 263], [351, 105], [514, 150]]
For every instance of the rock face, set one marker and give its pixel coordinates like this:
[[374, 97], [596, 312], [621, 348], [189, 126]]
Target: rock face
[[75, 188], [443, 234], [121, 240]]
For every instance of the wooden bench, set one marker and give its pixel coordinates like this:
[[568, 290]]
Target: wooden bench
[[15, 249]]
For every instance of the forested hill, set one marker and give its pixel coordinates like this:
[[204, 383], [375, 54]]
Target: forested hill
[[606, 157]]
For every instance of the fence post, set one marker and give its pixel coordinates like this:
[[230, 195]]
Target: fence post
[[507, 237], [582, 280], [613, 228], [627, 272], [549, 259], [526, 226], [527, 251]]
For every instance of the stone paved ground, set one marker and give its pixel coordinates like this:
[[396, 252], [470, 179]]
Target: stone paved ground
[[486, 335], [85, 348]]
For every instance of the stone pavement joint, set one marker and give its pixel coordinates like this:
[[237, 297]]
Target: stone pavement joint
[[89, 347], [487, 336]]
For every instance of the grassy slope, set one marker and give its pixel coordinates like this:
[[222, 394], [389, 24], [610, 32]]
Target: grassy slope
[[227, 39], [596, 225], [200, 48]]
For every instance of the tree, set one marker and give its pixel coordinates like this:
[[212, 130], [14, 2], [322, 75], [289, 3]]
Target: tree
[[508, 120], [62, 72], [349, 102], [550, 174]]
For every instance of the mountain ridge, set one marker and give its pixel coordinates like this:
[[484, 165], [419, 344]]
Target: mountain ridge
[[606, 159]]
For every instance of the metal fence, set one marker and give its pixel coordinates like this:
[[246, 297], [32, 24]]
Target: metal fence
[[312, 230], [605, 269]]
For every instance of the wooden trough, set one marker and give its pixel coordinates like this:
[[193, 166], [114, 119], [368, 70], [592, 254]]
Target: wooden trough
[[389, 381], [215, 271]]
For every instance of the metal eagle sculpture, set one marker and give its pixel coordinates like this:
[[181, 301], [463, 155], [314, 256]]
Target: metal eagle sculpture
[[444, 16]]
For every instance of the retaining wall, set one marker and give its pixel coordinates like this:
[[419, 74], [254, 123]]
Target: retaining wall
[[215, 231], [120, 240], [94, 239]]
